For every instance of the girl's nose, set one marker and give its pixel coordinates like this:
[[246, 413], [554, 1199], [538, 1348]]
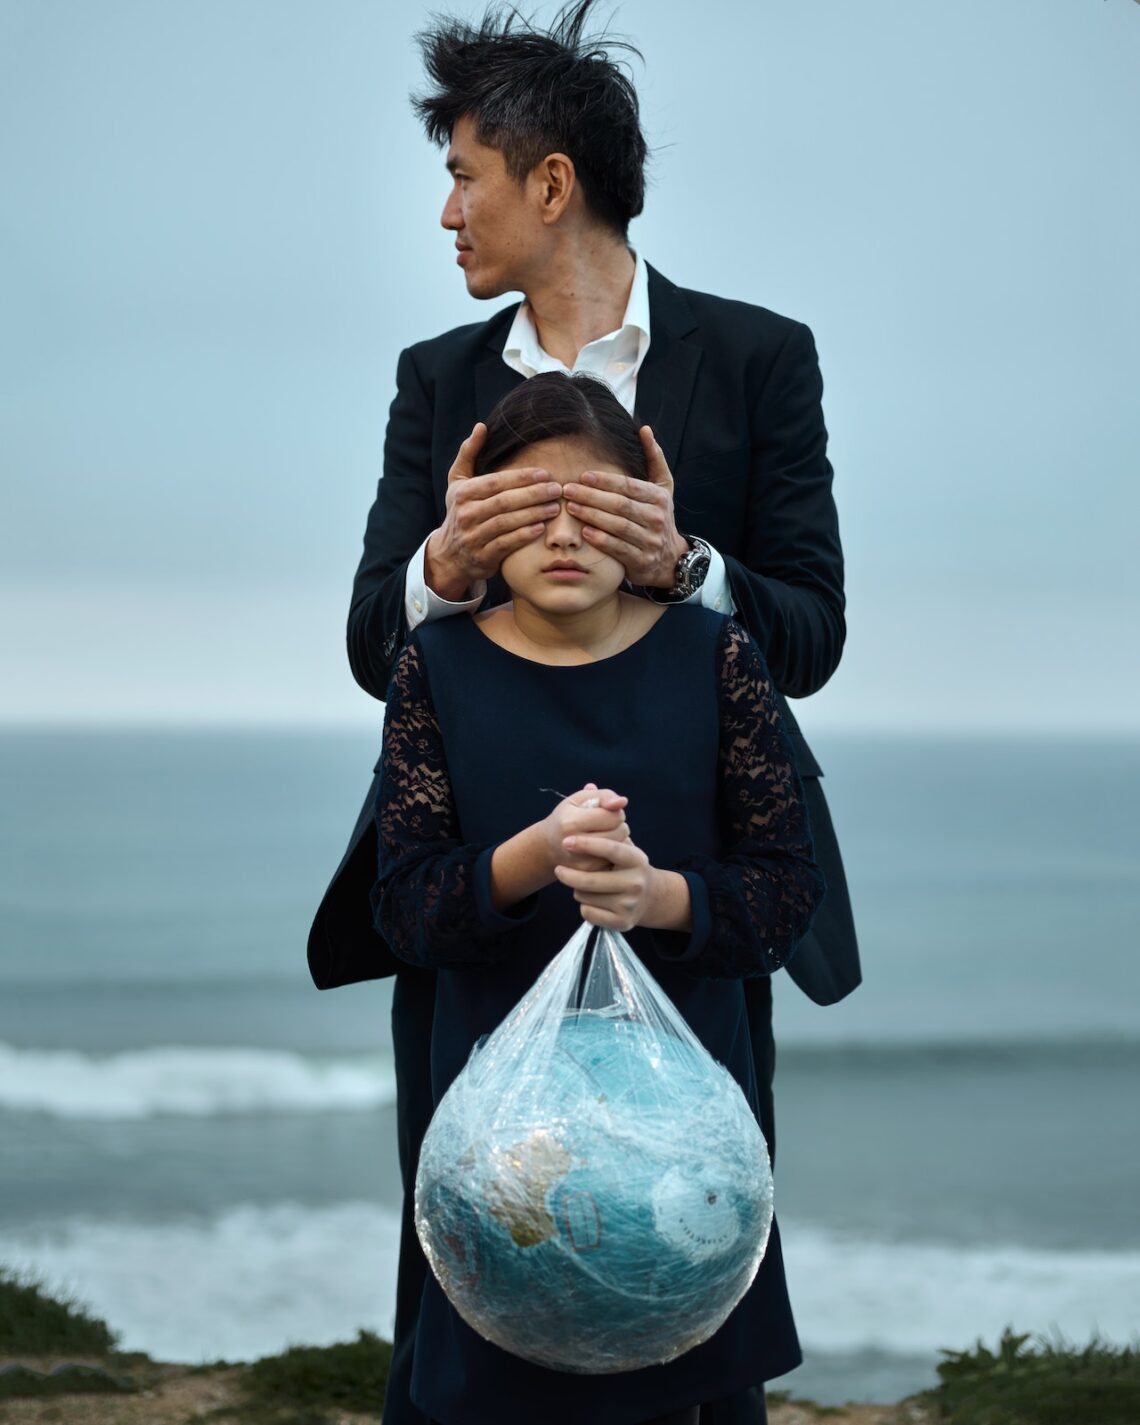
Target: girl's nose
[[563, 529]]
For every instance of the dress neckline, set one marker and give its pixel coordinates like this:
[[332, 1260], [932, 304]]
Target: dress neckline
[[564, 667]]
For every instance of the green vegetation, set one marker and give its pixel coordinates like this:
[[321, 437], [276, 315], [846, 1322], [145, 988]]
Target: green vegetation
[[298, 1387], [35, 1323], [305, 1381], [66, 1380], [1051, 1384], [1048, 1383]]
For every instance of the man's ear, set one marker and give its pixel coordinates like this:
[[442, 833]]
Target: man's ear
[[557, 182]]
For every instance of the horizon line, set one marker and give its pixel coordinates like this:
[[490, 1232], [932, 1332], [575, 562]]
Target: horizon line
[[250, 725]]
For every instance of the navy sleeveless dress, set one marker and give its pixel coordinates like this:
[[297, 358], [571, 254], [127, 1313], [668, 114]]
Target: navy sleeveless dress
[[479, 743]]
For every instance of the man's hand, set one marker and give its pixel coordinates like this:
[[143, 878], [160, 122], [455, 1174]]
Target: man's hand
[[487, 518], [631, 519]]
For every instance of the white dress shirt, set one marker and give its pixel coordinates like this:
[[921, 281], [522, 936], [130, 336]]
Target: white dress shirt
[[617, 359]]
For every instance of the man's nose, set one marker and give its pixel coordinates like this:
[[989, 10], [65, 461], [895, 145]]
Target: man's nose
[[451, 218]]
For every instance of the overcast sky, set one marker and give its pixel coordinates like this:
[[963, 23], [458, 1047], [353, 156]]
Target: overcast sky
[[219, 225]]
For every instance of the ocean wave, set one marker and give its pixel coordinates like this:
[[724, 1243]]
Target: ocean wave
[[195, 1082], [253, 1280], [851, 1294], [246, 1283]]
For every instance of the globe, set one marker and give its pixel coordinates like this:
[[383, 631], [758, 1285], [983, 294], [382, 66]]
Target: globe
[[600, 1206]]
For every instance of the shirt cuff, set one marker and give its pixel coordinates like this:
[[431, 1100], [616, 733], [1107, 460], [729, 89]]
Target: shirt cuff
[[423, 605], [490, 918], [716, 592], [677, 947]]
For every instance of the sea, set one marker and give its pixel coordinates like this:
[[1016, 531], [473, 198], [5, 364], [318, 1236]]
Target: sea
[[200, 1146]]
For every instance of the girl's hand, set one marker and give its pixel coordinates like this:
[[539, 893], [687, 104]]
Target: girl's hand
[[599, 814], [526, 862], [626, 893]]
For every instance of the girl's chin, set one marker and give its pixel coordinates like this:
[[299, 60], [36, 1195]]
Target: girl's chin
[[573, 594], [568, 601]]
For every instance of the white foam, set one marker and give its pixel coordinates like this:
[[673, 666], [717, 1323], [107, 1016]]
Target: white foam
[[851, 1294], [193, 1081], [244, 1284], [254, 1280]]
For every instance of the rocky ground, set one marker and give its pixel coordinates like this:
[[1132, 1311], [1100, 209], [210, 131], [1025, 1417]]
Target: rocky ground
[[181, 1395]]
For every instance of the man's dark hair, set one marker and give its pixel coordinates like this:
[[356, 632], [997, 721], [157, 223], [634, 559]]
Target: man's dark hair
[[553, 406], [531, 92]]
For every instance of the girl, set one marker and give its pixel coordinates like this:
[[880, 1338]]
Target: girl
[[664, 713]]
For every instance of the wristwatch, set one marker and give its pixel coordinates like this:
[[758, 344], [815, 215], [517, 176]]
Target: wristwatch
[[689, 574]]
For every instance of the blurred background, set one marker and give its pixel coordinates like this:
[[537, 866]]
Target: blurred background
[[218, 228]]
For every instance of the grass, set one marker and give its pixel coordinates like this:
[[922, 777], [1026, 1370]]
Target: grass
[[352, 1375], [35, 1323], [298, 1387], [1046, 1383], [1050, 1383]]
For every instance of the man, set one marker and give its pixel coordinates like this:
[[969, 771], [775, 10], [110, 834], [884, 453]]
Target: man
[[546, 158]]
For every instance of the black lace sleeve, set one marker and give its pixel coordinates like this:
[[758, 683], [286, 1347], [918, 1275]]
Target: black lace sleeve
[[425, 901], [765, 886]]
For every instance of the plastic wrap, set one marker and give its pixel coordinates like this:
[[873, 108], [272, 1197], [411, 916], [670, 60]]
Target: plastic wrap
[[593, 1192]]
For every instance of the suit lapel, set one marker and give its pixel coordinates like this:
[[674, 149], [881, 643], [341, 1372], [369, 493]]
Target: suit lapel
[[489, 379], [493, 379], [666, 380]]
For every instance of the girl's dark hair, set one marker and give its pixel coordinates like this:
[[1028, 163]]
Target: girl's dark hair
[[532, 92], [553, 406]]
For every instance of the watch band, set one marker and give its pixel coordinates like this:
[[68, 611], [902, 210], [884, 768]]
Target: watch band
[[689, 574]]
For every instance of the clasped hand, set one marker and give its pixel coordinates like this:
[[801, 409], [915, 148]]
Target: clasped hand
[[596, 858]]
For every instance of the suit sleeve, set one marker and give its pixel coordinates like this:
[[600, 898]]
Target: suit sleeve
[[401, 518], [788, 585]]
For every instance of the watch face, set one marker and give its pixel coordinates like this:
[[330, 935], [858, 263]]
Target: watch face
[[693, 567], [690, 574]]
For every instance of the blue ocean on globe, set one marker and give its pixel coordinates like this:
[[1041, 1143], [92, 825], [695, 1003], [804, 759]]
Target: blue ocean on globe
[[605, 1208]]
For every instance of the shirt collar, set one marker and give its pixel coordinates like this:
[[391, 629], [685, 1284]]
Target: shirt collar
[[522, 342]]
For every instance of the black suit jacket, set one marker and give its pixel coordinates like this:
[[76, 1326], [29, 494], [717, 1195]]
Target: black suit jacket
[[733, 393]]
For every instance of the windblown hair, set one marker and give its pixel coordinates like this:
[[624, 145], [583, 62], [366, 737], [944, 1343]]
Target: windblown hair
[[553, 406], [531, 92]]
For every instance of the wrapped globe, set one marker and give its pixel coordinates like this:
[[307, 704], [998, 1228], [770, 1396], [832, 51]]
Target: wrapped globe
[[593, 1192]]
